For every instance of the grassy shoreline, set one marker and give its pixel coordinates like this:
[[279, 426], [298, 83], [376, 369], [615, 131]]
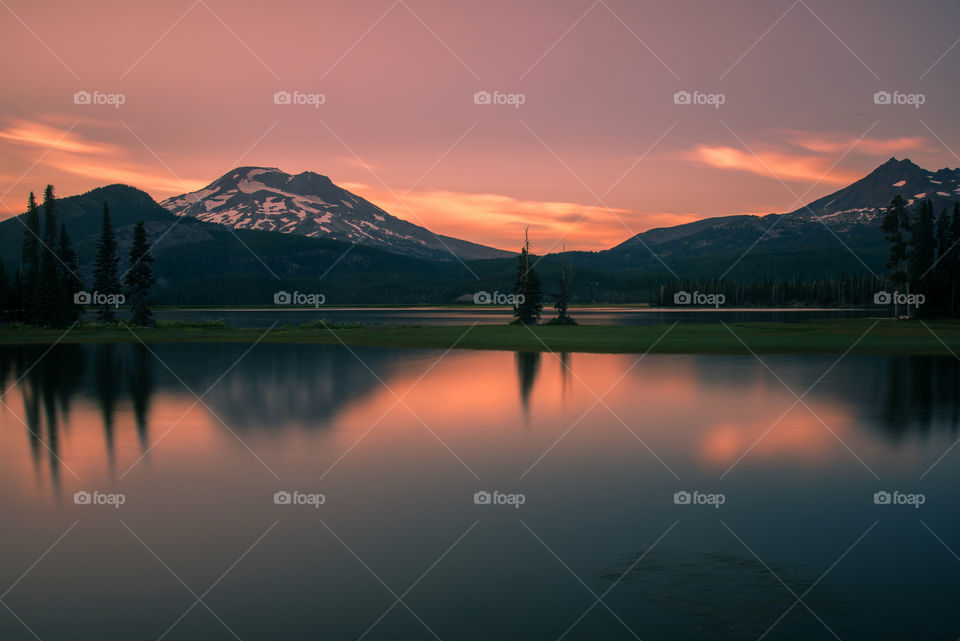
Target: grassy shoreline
[[860, 336]]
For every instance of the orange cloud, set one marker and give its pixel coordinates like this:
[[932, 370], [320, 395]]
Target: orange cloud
[[108, 172], [64, 149], [868, 146], [786, 166], [35, 134], [499, 220]]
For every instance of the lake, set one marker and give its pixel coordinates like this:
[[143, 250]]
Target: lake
[[265, 317], [219, 491]]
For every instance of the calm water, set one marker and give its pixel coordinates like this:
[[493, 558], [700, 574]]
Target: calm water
[[597, 482], [483, 314]]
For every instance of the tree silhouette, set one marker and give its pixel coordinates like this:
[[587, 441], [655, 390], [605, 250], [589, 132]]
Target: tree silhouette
[[562, 297], [69, 278], [29, 259], [896, 224], [527, 289], [49, 295], [139, 278], [105, 279]]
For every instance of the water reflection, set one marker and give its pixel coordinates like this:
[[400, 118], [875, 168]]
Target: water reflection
[[311, 387], [400, 491], [527, 365]]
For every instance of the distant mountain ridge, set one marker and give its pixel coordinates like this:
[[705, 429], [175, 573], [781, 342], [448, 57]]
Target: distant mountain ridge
[[207, 263], [839, 232], [309, 204], [873, 193]]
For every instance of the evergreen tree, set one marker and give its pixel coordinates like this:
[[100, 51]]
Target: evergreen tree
[[527, 288], [923, 252], [17, 312], [896, 224], [954, 260], [50, 295], [4, 293], [139, 278], [105, 281], [69, 277], [943, 271], [562, 297], [30, 258]]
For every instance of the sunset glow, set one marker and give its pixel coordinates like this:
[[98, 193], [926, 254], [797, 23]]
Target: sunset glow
[[197, 83]]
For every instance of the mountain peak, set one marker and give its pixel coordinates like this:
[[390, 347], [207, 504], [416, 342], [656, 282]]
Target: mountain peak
[[310, 204], [307, 181], [870, 195]]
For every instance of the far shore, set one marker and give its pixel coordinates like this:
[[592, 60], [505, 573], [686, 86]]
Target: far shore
[[856, 336]]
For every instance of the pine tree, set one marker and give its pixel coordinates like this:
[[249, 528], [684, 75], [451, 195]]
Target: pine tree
[[50, 295], [30, 259], [17, 311], [4, 293], [105, 281], [69, 278], [896, 224], [562, 297], [528, 289], [139, 278], [923, 251], [954, 260], [943, 272]]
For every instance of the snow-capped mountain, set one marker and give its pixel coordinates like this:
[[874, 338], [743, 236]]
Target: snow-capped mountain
[[871, 195], [308, 204], [841, 231]]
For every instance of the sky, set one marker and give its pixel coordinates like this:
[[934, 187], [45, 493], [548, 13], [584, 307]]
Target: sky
[[588, 136]]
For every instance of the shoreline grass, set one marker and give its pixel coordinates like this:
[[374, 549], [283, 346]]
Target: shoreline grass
[[859, 336]]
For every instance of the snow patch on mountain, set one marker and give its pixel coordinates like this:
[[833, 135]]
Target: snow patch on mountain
[[309, 204]]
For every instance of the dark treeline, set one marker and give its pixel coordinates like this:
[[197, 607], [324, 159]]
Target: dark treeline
[[42, 288], [857, 290], [924, 259], [46, 289], [923, 277]]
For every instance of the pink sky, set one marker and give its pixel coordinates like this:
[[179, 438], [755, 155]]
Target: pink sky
[[598, 150]]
